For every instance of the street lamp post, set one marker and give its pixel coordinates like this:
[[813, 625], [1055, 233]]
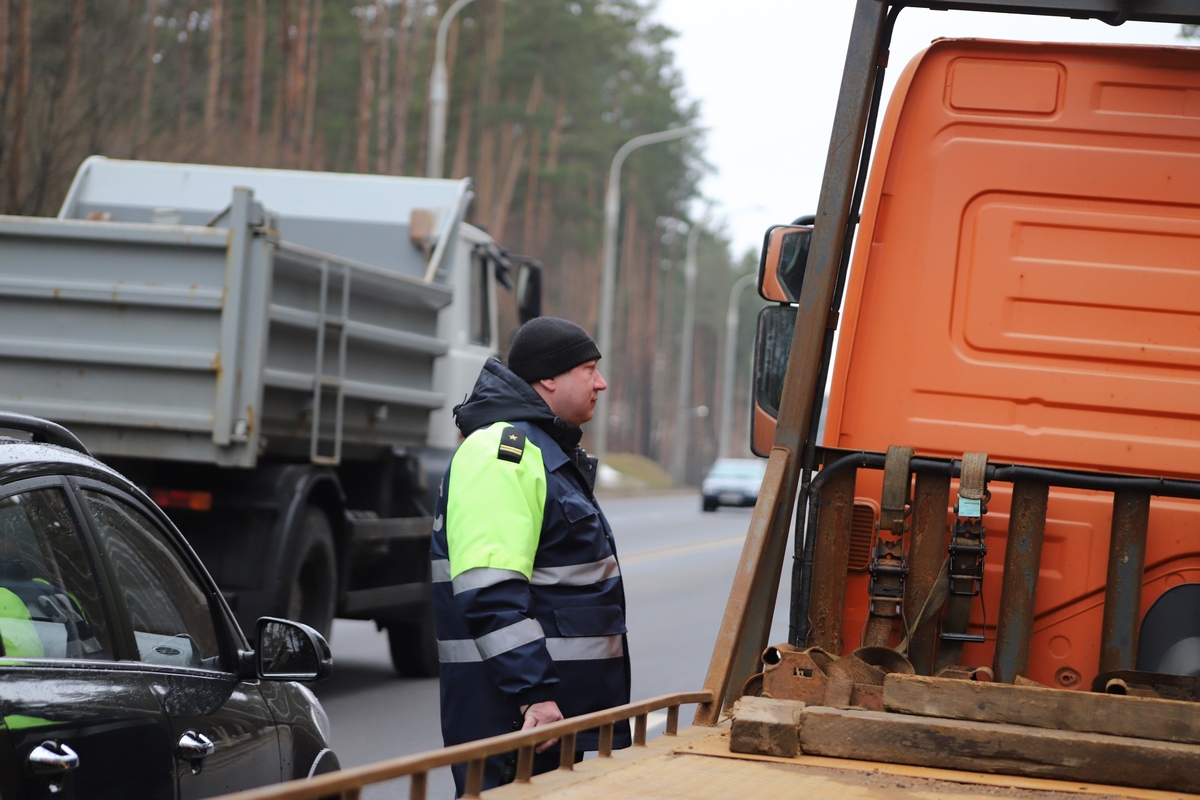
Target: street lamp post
[[731, 327], [439, 95], [679, 467], [612, 207]]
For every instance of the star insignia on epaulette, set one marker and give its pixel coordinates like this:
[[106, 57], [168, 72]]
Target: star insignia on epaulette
[[512, 444]]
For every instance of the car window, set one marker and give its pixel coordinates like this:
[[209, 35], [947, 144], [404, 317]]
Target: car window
[[168, 607], [749, 470], [50, 601]]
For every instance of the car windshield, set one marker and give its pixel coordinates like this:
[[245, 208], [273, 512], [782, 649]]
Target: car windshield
[[741, 469]]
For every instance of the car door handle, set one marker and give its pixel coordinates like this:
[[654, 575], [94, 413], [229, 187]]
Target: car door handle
[[194, 746], [52, 758]]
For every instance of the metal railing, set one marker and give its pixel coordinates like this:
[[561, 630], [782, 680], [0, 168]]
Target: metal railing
[[347, 784]]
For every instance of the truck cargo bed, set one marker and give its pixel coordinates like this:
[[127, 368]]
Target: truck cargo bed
[[214, 345], [697, 764]]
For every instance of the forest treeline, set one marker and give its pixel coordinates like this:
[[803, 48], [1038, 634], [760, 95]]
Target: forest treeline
[[542, 93]]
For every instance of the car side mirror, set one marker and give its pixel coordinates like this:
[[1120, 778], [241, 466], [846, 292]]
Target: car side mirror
[[290, 651], [772, 347], [781, 265]]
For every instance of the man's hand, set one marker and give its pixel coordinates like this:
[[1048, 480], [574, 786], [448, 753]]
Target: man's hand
[[541, 714]]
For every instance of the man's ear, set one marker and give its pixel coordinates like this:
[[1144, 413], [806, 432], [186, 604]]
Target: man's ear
[[547, 383]]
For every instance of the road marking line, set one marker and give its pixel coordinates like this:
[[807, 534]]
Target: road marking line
[[675, 550]]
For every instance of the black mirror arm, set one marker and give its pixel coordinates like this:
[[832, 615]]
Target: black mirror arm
[[246, 668], [499, 258]]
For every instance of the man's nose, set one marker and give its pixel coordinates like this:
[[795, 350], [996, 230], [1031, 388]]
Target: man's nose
[[600, 383]]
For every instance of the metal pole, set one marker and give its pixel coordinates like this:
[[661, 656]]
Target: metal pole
[[727, 376], [1126, 574], [439, 95], [612, 205], [683, 410], [1018, 584]]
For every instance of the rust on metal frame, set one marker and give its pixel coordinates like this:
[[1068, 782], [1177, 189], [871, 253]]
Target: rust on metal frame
[[831, 557], [1018, 586], [927, 552], [1123, 589], [348, 783]]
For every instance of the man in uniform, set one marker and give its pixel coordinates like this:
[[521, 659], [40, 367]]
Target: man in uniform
[[528, 599]]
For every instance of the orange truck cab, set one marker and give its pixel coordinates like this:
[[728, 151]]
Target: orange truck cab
[[1026, 284]]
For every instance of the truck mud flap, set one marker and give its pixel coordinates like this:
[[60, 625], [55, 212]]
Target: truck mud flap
[[389, 566]]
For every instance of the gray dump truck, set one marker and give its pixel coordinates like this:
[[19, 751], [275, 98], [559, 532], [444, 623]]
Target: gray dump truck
[[272, 355]]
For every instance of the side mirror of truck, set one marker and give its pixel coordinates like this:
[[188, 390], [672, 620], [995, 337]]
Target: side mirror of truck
[[772, 346], [781, 266], [529, 290]]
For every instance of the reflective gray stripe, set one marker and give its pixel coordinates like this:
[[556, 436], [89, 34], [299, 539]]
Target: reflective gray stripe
[[458, 651], [440, 569], [585, 648], [510, 638], [480, 577], [575, 648], [576, 574]]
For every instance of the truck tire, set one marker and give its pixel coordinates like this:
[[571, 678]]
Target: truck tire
[[413, 646], [312, 583]]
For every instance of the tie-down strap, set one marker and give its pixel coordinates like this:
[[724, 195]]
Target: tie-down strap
[[897, 477], [972, 483], [965, 562]]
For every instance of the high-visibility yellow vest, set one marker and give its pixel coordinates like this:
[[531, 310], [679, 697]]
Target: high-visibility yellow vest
[[17, 630]]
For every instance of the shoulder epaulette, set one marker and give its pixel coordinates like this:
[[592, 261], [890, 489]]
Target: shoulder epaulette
[[512, 445]]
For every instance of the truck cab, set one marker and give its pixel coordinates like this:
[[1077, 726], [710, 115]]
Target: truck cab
[[1020, 288]]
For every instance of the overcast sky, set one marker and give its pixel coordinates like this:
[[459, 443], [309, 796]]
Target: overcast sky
[[766, 73]]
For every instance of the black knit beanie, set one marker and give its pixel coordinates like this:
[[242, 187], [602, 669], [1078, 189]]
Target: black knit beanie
[[549, 346]]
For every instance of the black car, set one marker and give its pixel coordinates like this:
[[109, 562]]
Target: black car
[[123, 673]]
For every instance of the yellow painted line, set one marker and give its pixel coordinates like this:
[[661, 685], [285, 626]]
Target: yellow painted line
[[683, 549]]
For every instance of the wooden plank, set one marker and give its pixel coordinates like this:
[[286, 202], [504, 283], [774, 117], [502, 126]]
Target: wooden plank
[[765, 726], [1042, 707], [978, 784], [999, 749]]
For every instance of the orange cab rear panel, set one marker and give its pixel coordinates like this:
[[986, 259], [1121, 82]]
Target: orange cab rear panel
[[1026, 283]]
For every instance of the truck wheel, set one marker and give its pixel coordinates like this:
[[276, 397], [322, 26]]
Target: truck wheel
[[312, 592], [413, 646]]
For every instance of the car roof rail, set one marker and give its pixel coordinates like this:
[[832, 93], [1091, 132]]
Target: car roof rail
[[41, 430]]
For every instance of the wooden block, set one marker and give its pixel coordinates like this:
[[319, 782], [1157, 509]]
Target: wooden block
[[999, 749], [765, 726], [1059, 709]]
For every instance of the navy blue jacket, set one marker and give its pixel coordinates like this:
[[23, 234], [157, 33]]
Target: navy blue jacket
[[528, 599]]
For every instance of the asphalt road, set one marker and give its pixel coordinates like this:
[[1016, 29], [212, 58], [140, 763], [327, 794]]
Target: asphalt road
[[678, 564]]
